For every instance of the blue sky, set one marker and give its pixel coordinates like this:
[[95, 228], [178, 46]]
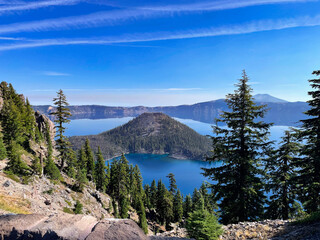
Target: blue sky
[[163, 52]]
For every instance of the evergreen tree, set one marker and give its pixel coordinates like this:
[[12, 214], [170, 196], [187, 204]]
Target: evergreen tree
[[82, 159], [164, 205], [119, 184], [153, 194], [3, 151], [90, 160], [172, 184], [142, 217], [71, 160], [309, 166], [209, 202], [11, 123], [202, 225], [15, 164], [136, 190], [36, 166], [187, 206], [78, 207], [281, 174], [240, 147], [100, 172], [29, 121], [178, 207], [52, 170], [62, 115], [197, 200], [81, 180]]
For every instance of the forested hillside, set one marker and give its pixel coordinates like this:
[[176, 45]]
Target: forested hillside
[[154, 133]]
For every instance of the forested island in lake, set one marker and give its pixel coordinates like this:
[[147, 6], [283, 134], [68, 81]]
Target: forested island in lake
[[154, 133]]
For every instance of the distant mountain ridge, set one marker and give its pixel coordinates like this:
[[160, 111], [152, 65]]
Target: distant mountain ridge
[[280, 111], [154, 133]]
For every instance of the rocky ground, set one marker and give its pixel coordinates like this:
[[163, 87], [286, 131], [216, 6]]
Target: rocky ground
[[46, 204], [43, 196], [271, 229]]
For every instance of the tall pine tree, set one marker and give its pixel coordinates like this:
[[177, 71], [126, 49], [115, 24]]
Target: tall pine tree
[[100, 172], [62, 115], [90, 160], [240, 146], [281, 174], [309, 166]]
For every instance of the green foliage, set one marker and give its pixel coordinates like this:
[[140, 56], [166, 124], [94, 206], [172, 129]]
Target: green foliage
[[89, 156], [50, 191], [164, 204], [241, 147], [282, 178], [136, 190], [81, 180], [16, 117], [68, 210], [147, 198], [187, 206], [15, 164], [36, 166], [62, 115], [153, 194], [78, 207], [71, 160], [309, 164], [203, 225], [209, 202], [308, 219], [100, 172], [68, 202], [172, 184], [142, 218], [119, 184], [178, 207], [82, 159], [51, 170], [3, 151]]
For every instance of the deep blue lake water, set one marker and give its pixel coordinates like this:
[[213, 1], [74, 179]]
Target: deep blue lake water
[[187, 172]]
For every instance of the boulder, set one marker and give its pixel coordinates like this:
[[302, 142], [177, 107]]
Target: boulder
[[35, 226], [114, 229]]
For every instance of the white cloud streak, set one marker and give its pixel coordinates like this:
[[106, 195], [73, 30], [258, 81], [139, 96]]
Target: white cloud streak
[[35, 5], [15, 6], [114, 17], [83, 21], [54, 74], [219, 5], [252, 27]]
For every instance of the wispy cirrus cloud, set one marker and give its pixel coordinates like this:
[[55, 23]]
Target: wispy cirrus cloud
[[23, 6], [251, 27], [84, 21], [105, 18], [219, 5], [54, 74]]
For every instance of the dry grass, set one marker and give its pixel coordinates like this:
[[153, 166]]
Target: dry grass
[[14, 204]]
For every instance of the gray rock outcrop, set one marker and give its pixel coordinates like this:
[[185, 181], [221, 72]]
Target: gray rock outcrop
[[43, 123], [69, 227]]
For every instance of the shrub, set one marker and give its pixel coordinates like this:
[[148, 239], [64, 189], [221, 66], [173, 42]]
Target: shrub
[[78, 207], [203, 225], [52, 170]]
